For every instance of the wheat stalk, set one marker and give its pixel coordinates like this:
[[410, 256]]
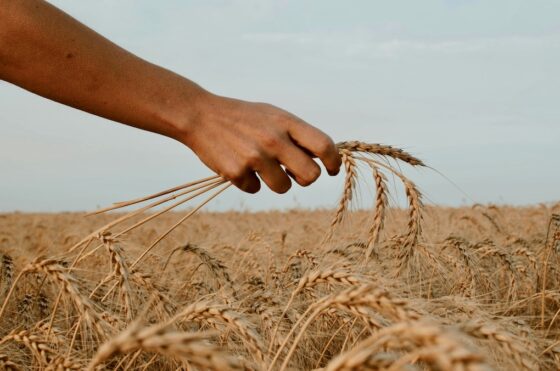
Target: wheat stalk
[[201, 188], [346, 150], [119, 205]]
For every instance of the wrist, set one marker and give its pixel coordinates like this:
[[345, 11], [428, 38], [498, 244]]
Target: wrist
[[184, 114]]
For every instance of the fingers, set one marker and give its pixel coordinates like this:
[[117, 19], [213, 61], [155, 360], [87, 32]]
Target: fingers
[[241, 176], [241, 172], [297, 160], [274, 176], [299, 165], [246, 181], [318, 143]]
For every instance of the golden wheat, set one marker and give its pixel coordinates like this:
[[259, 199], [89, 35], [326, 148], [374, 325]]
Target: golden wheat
[[423, 287]]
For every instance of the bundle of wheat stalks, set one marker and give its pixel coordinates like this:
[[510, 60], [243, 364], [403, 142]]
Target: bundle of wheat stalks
[[139, 295]]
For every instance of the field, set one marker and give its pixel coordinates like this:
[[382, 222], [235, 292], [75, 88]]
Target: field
[[423, 287], [479, 299]]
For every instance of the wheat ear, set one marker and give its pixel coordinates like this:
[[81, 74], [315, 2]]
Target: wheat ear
[[355, 300], [7, 365], [421, 342], [313, 279], [121, 272], [52, 269], [347, 194], [40, 350], [415, 205], [380, 150], [219, 313], [381, 202], [515, 349], [188, 347], [7, 270], [216, 266]]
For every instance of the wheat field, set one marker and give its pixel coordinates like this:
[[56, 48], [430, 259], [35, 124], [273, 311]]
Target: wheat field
[[381, 288]]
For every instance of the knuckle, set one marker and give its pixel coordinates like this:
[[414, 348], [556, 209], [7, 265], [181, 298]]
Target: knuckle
[[271, 140], [235, 174], [253, 159]]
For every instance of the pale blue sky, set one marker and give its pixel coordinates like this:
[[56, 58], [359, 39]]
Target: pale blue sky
[[471, 87]]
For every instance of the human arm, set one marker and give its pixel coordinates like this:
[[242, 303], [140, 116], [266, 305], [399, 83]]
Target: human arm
[[44, 50]]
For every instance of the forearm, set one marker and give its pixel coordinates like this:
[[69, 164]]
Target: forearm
[[51, 54]]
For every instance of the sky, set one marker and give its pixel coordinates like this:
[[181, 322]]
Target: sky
[[470, 87]]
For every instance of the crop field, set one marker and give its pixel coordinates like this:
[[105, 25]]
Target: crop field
[[386, 288]]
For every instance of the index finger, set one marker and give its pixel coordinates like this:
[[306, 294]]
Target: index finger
[[318, 143]]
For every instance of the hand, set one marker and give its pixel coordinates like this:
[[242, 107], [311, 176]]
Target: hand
[[240, 139]]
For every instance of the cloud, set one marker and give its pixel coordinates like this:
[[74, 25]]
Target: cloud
[[356, 44]]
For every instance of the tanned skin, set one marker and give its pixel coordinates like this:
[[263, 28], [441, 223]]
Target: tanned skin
[[47, 52]]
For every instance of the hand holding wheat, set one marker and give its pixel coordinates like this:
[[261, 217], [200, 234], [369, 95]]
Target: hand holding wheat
[[374, 156], [257, 138]]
